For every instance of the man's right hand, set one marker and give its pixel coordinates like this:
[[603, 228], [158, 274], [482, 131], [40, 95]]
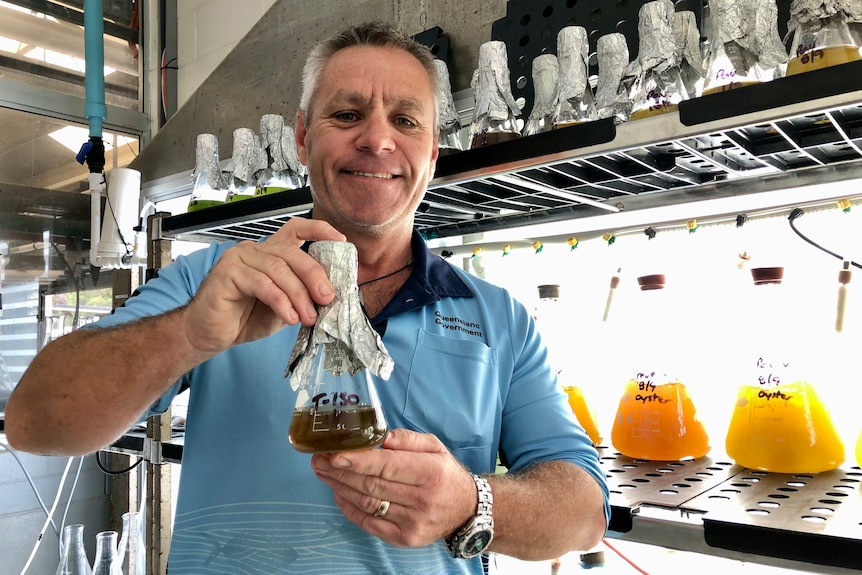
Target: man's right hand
[[256, 288]]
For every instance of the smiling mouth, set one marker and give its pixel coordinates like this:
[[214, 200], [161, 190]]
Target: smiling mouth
[[382, 176]]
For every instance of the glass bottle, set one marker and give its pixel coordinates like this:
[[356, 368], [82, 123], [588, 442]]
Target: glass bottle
[[656, 418], [574, 102], [449, 140], [824, 33], [744, 45], [247, 160], [331, 367], [209, 189], [546, 72], [106, 562], [496, 111], [74, 559], [132, 551], [612, 94], [282, 170], [656, 83], [779, 423]]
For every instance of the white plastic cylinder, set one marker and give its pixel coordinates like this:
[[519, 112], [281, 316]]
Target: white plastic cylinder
[[117, 239]]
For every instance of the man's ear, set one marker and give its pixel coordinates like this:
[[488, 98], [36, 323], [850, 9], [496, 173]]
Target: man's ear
[[299, 136]]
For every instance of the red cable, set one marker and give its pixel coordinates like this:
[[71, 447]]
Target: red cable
[[624, 558]]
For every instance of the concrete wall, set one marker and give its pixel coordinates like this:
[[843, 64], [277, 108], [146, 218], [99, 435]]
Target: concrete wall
[[261, 74]]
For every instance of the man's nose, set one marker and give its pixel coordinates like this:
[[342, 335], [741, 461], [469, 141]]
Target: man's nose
[[377, 135]]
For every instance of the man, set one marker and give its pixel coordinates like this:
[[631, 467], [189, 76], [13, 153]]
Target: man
[[225, 319]]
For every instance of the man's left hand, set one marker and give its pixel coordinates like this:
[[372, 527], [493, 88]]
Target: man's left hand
[[430, 493]]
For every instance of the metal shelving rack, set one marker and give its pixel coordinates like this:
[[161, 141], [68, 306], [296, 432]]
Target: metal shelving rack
[[793, 132]]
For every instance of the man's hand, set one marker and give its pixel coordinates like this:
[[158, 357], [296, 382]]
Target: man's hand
[[430, 493], [256, 288]]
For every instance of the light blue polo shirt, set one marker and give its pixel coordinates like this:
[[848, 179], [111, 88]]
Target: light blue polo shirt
[[470, 367]]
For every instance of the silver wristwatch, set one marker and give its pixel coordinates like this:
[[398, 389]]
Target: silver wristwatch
[[475, 536]]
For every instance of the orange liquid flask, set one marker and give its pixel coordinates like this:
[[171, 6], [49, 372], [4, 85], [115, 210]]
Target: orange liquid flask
[[820, 41], [779, 422], [586, 416], [656, 418]]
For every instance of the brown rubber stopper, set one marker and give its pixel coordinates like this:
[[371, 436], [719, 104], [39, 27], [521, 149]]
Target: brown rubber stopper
[[762, 276]]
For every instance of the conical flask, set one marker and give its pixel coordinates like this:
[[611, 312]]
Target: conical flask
[[546, 72], [554, 325], [107, 562], [74, 559], [656, 418], [656, 84], [247, 160], [449, 140], [744, 45], [612, 93], [208, 184], [132, 551], [282, 170], [333, 363], [573, 103], [497, 113], [824, 33], [779, 422]]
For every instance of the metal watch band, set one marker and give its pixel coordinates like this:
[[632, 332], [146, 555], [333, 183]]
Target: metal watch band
[[482, 524]]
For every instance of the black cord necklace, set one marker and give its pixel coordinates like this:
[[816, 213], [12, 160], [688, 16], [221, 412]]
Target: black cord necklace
[[408, 265]]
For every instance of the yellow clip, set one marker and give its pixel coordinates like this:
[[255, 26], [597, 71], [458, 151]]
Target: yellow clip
[[691, 225], [844, 205], [478, 252], [610, 238], [537, 245], [573, 242], [507, 248]]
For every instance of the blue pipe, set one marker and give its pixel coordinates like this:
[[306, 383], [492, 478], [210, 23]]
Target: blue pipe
[[94, 58]]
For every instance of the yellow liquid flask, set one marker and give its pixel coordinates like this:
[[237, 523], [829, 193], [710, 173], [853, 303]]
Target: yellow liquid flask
[[779, 422], [333, 365], [656, 418], [822, 37]]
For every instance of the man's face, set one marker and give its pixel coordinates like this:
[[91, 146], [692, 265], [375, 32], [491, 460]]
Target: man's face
[[370, 144]]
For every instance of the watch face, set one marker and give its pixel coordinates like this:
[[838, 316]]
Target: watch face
[[477, 543]]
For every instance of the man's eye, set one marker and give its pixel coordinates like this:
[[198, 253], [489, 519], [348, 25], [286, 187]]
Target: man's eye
[[346, 116], [405, 122]]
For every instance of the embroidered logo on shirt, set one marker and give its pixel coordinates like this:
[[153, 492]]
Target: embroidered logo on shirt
[[458, 324]]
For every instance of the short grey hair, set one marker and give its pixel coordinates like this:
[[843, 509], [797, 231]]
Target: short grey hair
[[377, 34]]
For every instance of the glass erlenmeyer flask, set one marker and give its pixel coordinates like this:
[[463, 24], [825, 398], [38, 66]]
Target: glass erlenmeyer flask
[[282, 170], [332, 364], [496, 111], [656, 418], [657, 85], [574, 102], [74, 559], [449, 140], [612, 94], [132, 551], [546, 71], [823, 34], [106, 562], [779, 422], [209, 189], [247, 160], [744, 45]]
